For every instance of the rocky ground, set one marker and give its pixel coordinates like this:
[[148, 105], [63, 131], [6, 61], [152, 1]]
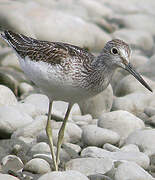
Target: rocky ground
[[108, 137]]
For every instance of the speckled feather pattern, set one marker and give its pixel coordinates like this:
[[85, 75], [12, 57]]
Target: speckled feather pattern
[[63, 71]]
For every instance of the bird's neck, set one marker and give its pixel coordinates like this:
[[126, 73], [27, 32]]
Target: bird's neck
[[102, 73]]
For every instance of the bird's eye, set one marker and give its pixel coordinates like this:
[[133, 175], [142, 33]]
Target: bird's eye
[[114, 50]]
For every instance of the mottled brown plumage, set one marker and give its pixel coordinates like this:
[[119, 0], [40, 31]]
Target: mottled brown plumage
[[51, 52]]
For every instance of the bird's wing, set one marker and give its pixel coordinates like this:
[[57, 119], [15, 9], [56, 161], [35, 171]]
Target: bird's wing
[[50, 52]]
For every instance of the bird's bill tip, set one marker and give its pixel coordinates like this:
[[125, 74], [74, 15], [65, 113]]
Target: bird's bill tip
[[132, 71]]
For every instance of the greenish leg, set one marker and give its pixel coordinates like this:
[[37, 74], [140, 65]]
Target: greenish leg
[[61, 132], [49, 135]]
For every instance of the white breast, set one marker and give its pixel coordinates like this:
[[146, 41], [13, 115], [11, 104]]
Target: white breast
[[52, 81]]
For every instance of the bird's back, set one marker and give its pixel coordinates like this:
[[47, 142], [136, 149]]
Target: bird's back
[[52, 66]]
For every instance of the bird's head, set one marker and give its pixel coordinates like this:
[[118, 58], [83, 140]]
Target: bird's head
[[119, 54]]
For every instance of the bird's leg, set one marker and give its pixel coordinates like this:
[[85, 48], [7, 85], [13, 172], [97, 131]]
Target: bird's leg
[[61, 132], [49, 135]]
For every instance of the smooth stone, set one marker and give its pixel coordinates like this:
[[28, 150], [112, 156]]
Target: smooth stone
[[138, 60], [130, 170], [27, 108], [144, 139], [121, 122], [98, 104], [78, 24], [4, 51], [11, 60], [142, 116], [40, 101], [150, 111], [148, 68], [7, 177], [151, 121], [41, 147], [138, 38], [25, 88], [96, 136], [64, 156], [11, 120], [129, 103], [75, 111], [99, 177], [133, 21], [74, 131], [130, 85], [138, 157], [46, 157], [130, 147], [10, 145], [37, 166], [11, 162], [110, 147], [60, 107], [32, 129], [7, 97], [74, 147], [86, 118], [9, 81], [42, 136], [64, 175], [89, 166]]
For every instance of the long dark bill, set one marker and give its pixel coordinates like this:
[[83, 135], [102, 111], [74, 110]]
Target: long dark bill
[[132, 71]]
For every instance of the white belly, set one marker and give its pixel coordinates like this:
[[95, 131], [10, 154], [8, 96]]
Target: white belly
[[51, 80]]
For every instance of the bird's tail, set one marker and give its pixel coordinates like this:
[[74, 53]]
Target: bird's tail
[[15, 40]]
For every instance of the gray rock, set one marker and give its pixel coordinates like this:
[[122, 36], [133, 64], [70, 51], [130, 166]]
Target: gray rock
[[130, 147], [11, 119], [7, 177], [130, 170], [138, 60], [99, 104], [41, 147], [138, 38], [40, 101], [144, 139], [64, 156], [148, 68], [96, 136], [72, 130], [138, 157], [42, 136], [7, 97], [133, 21], [151, 121], [99, 177], [11, 78], [46, 157], [150, 111], [11, 60], [90, 166], [129, 103], [110, 147], [37, 166], [86, 118], [74, 147], [121, 122], [130, 85], [75, 111], [32, 129], [11, 162], [64, 175], [88, 34], [27, 108], [25, 88]]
